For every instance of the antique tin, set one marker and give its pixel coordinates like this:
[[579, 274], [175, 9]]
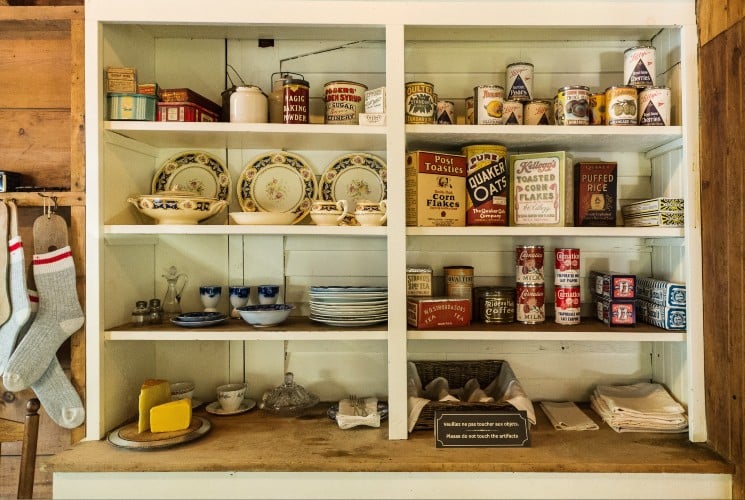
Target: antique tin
[[131, 106], [597, 108], [669, 318], [654, 106], [295, 101], [445, 114], [530, 303], [188, 95], [612, 285], [9, 181], [519, 78], [420, 102], [567, 302], [418, 281], [621, 105], [121, 80], [438, 312], [573, 105], [661, 292], [529, 264], [566, 266], [639, 66], [344, 102], [459, 281], [488, 102], [616, 312], [541, 189], [487, 185], [595, 193], [496, 304], [512, 113], [538, 112], [184, 112], [435, 189], [375, 100], [469, 110]]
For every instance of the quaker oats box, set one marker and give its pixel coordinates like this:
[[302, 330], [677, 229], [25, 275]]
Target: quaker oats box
[[435, 189], [541, 192], [438, 312], [595, 193]]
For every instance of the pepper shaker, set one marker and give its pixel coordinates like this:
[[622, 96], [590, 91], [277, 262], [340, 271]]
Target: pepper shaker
[[156, 312], [141, 313]]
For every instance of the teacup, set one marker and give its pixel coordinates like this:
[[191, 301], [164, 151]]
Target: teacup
[[328, 213], [182, 390], [268, 294], [230, 396], [369, 213]]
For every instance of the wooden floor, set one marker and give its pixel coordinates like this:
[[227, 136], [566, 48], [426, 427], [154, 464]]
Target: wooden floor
[[9, 477]]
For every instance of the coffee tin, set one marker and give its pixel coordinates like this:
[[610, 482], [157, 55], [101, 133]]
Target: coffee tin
[[639, 66], [488, 102], [459, 281], [420, 102], [445, 113], [567, 301], [487, 185], [529, 264], [566, 266], [519, 78], [469, 110], [496, 304], [621, 105], [530, 303], [344, 102], [538, 112], [573, 105], [512, 113], [654, 106], [597, 108]]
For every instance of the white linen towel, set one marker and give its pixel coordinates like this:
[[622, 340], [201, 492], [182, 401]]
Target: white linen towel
[[347, 419], [644, 398], [566, 416]]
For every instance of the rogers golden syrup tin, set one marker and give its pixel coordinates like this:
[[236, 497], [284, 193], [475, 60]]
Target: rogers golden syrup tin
[[530, 303], [488, 102], [420, 103], [487, 185], [529, 264], [344, 102], [621, 105]]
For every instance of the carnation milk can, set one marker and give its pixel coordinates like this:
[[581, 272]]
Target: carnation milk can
[[344, 102], [566, 267], [529, 264], [487, 185], [567, 302], [530, 303]]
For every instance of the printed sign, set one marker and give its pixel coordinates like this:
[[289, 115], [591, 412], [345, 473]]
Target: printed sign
[[482, 429]]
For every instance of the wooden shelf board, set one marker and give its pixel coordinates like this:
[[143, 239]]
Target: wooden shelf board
[[220, 229], [32, 199], [611, 232]]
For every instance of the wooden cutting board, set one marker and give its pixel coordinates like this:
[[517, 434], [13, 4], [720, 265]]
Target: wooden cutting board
[[128, 437]]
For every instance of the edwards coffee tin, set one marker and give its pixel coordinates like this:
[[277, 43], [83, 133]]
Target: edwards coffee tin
[[567, 305], [488, 102], [621, 105], [344, 102], [530, 303], [519, 78], [654, 106], [639, 66], [529, 264], [420, 102], [487, 185], [573, 105]]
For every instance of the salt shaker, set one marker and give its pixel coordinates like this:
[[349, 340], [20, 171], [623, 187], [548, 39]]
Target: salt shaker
[[156, 312], [141, 313]]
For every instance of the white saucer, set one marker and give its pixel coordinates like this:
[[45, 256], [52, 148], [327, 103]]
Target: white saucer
[[196, 402], [215, 408]]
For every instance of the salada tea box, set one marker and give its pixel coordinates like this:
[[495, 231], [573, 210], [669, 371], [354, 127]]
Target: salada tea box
[[595, 193], [435, 189], [541, 189]]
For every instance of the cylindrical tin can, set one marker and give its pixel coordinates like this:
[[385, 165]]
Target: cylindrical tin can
[[567, 302], [295, 101], [459, 281], [496, 305], [530, 303], [597, 108], [566, 266], [538, 112], [488, 101], [639, 66], [445, 113], [469, 110], [519, 78], [573, 105], [654, 106], [418, 281], [529, 264], [248, 104], [344, 102], [420, 102], [512, 113], [621, 105], [487, 185]]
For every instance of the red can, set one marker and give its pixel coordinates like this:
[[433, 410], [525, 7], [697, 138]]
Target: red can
[[567, 302], [530, 300], [566, 266], [529, 264]]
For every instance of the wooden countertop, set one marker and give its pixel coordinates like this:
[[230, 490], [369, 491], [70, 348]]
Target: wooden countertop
[[257, 442]]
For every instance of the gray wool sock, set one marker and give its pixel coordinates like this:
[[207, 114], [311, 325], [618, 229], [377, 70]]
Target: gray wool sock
[[58, 397], [9, 332], [59, 316]]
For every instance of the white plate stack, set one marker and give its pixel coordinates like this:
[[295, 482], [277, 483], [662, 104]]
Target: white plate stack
[[348, 305]]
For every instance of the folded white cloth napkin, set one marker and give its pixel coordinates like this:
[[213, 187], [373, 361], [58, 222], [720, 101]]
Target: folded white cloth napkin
[[566, 416], [346, 418], [642, 398]]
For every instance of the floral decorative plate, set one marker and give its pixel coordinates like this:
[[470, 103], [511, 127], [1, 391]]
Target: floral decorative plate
[[196, 171], [277, 182], [354, 177]]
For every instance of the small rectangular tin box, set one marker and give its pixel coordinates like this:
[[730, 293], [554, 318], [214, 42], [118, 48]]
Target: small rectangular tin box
[[660, 292], [595, 193], [616, 312], [9, 181], [435, 189], [183, 95], [541, 189], [669, 318], [612, 285], [131, 106], [438, 312], [122, 80], [418, 281], [184, 112]]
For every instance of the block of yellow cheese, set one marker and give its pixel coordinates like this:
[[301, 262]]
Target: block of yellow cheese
[[171, 416], [153, 392]]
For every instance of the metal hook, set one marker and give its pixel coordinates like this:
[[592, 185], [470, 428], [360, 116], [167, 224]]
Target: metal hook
[[52, 207]]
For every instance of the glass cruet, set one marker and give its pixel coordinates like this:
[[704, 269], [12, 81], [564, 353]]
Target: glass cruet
[[171, 304]]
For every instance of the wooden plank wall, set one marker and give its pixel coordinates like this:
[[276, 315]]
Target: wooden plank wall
[[722, 73]]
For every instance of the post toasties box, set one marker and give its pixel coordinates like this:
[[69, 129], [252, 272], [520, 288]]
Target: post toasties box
[[435, 189]]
